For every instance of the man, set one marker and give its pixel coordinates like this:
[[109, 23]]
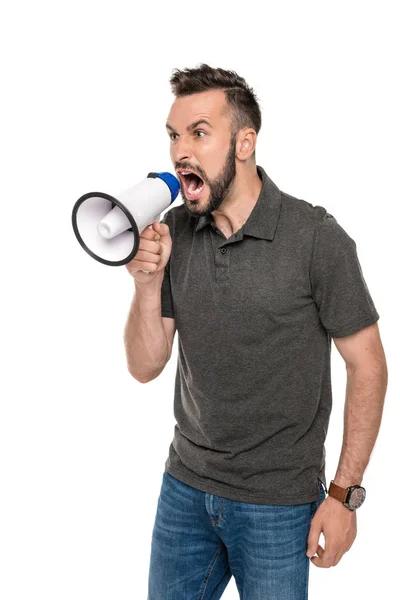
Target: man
[[257, 283]]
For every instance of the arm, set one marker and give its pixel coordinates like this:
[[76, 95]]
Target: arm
[[348, 313], [146, 343], [366, 387], [367, 378]]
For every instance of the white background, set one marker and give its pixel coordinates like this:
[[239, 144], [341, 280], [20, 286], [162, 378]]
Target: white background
[[85, 96]]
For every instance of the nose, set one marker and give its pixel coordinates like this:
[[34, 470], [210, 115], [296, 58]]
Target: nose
[[181, 150]]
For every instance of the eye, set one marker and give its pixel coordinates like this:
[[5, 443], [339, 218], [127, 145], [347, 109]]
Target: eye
[[196, 131]]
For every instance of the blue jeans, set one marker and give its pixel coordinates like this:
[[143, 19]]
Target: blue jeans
[[200, 540]]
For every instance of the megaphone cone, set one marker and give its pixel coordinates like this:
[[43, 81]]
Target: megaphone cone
[[108, 227]]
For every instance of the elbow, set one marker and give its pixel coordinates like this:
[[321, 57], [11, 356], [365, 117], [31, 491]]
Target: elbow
[[138, 378], [143, 378]]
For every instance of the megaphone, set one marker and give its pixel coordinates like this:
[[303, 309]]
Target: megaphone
[[108, 227]]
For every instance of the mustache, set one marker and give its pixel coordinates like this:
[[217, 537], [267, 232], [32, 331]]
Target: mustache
[[189, 168]]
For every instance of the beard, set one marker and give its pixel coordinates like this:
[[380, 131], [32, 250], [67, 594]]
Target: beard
[[219, 187]]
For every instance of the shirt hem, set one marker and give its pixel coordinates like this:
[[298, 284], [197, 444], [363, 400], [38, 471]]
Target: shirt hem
[[237, 495]]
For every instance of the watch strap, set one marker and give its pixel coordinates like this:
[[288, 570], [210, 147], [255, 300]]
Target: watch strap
[[338, 492]]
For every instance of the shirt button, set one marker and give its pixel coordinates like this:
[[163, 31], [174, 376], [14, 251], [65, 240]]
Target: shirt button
[[223, 250]]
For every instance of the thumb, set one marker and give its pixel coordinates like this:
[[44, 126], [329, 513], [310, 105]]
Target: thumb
[[313, 539], [161, 228]]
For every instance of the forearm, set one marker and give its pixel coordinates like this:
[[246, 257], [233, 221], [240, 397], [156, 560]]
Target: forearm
[[145, 340], [365, 394]]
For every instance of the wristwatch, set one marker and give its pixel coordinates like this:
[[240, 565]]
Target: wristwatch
[[352, 497]]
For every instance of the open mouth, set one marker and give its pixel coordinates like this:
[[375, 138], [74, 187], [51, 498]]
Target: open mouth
[[193, 184]]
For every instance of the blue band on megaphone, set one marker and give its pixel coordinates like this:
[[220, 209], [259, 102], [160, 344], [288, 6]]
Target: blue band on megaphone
[[171, 181]]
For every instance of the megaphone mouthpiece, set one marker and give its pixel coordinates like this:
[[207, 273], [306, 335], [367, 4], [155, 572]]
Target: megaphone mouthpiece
[[104, 230]]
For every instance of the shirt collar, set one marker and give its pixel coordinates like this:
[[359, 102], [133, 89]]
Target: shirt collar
[[264, 217]]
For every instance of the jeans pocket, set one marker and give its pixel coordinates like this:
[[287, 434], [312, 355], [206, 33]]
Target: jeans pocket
[[322, 495]]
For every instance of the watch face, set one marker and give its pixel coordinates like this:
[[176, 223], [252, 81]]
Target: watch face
[[357, 497]]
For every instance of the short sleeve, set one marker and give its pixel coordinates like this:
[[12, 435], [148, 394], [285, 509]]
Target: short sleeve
[[338, 286], [167, 309]]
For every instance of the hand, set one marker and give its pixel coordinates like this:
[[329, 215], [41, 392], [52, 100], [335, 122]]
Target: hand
[[339, 525], [153, 254]]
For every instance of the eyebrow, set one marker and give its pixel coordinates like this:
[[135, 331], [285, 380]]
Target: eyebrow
[[190, 127]]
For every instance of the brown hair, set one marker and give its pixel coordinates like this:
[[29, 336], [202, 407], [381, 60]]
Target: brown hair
[[242, 103]]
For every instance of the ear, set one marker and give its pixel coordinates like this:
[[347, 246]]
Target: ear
[[246, 143]]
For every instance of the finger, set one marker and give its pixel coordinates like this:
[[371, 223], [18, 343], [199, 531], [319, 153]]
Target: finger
[[149, 234], [337, 558], [161, 228], [157, 226], [326, 559], [147, 257], [151, 246], [147, 267], [334, 552], [318, 560], [313, 538]]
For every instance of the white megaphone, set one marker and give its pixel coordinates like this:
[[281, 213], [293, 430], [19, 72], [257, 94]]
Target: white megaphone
[[108, 227]]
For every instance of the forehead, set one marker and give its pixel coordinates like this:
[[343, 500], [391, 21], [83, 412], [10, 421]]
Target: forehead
[[210, 104]]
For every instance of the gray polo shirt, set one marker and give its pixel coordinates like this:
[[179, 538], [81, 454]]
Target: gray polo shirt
[[255, 315]]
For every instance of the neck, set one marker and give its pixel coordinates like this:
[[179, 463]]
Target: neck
[[237, 206]]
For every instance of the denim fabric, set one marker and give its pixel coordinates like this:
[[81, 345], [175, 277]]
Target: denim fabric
[[200, 540]]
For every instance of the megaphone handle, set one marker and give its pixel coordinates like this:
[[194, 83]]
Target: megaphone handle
[[151, 227]]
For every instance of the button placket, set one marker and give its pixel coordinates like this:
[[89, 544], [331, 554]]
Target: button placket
[[221, 257], [222, 264]]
